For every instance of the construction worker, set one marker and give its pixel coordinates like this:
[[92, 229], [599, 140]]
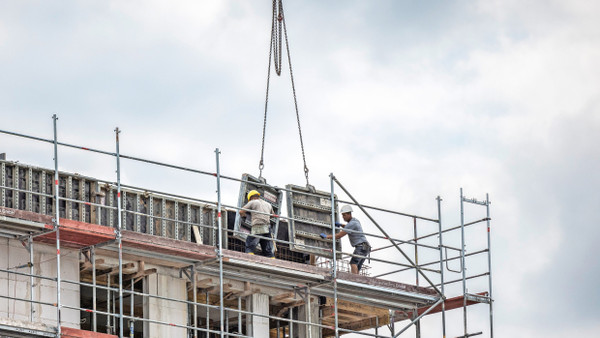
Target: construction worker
[[357, 238], [261, 224]]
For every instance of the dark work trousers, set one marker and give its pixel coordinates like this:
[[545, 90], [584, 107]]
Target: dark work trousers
[[362, 249], [265, 244]]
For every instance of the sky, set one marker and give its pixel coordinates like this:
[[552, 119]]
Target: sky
[[401, 100]]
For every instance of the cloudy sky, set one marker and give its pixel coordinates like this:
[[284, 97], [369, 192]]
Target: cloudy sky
[[402, 100]]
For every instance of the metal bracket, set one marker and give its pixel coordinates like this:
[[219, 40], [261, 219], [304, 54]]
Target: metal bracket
[[474, 201], [26, 245], [187, 272], [86, 253], [477, 298], [302, 292], [448, 265]]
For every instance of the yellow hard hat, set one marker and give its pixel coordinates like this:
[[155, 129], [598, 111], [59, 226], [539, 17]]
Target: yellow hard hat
[[252, 193]]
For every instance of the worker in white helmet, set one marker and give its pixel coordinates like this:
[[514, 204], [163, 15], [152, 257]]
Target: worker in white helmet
[[357, 238], [261, 224]]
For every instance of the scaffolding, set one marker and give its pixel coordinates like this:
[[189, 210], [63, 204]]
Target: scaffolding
[[118, 229]]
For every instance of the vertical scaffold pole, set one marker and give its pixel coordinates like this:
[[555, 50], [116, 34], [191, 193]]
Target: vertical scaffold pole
[[195, 295], [487, 207], [131, 310], [418, 323], [119, 242], [109, 318], [439, 207], [308, 307], [207, 314], [462, 258], [291, 315], [94, 316], [333, 260], [239, 315], [30, 246], [220, 251], [393, 323], [57, 229]]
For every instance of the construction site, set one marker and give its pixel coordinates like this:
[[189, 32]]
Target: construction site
[[82, 256], [89, 258]]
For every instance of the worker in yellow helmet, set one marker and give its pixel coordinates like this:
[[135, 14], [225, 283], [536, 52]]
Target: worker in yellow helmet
[[261, 224]]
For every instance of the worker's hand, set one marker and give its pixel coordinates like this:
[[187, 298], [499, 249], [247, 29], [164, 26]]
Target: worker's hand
[[338, 224], [323, 235]]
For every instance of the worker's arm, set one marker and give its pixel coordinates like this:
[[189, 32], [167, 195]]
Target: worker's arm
[[338, 235], [246, 206]]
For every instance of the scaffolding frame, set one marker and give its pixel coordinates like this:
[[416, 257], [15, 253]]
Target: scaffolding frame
[[332, 285]]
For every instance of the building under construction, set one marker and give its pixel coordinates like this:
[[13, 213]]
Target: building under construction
[[83, 257]]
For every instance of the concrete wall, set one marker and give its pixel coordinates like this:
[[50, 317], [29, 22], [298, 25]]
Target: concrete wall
[[164, 310], [303, 330], [12, 254]]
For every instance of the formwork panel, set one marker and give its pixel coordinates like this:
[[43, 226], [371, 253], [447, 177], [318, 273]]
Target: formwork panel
[[182, 227], [310, 213], [157, 212], [208, 222], [62, 192], [270, 194], [138, 217], [23, 186], [114, 217], [36, 187], [8, 193], [49, 191], [15, 185], [94, 201], [196, 220], [130, 201], [144, 208], [43, 191], [170, 208], [104, 200], [75, 193], [29, 206], [87, 197], [3, 181]]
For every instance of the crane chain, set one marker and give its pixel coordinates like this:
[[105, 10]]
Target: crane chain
[[274, 48], [275, 51]]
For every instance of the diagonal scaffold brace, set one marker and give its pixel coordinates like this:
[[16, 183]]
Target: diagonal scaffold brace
[[389, 238]]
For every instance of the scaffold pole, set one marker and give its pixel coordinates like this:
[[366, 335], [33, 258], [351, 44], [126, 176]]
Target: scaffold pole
[[57, 229]]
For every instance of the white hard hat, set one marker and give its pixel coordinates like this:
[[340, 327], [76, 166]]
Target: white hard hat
[[345, 209]]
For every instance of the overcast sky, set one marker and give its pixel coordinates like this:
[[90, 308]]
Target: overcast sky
[[402, 101]]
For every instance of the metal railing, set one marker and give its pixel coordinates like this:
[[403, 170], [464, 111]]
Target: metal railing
[[411, 263]]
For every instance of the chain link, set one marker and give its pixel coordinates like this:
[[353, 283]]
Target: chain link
[[287, 48], [274, 48], [276, 34], [275, 51]]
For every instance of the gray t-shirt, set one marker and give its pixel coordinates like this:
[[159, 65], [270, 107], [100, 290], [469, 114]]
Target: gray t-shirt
[[260, 222], [356, 235]]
